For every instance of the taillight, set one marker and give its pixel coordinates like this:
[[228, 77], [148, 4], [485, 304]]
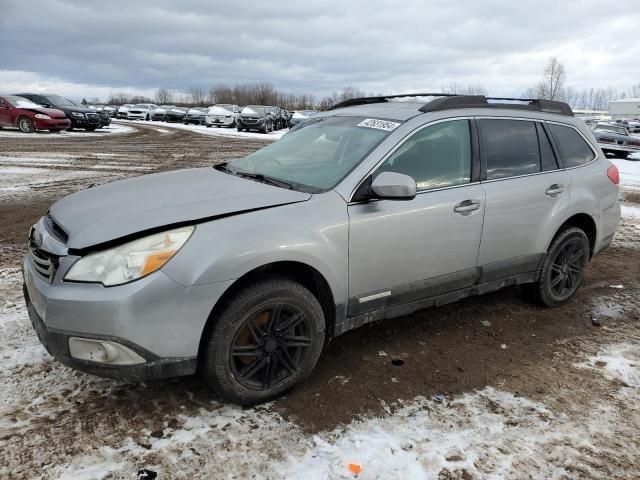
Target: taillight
[[613, 174]]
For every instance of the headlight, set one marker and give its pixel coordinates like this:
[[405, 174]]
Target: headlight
[[130, 261], [77, 114], [42, 116]]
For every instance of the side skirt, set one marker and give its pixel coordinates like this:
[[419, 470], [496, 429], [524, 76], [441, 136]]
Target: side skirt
[[408, 308]]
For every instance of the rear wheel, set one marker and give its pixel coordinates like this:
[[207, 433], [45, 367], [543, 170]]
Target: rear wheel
[[25, 125], [267, 339], [563, 268]]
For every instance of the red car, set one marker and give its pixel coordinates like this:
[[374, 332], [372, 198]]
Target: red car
[[28, 117]]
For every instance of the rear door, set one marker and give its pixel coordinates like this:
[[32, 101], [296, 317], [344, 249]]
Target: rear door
[[404, 250], [526, 193]]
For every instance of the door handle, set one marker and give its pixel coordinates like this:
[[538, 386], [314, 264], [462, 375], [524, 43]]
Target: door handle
[[467, 206], [554, 190]]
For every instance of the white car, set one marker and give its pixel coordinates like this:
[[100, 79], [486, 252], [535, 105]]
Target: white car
[[123, 110], [141, 111], [222, 115]]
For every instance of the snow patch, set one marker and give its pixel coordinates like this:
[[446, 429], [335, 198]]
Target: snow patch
[[619, 362]]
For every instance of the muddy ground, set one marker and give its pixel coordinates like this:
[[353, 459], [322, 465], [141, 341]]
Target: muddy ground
[[498, 340]]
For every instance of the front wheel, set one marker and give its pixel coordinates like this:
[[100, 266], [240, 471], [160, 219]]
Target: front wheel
[[25, 125], [563, 268], [268, 339]]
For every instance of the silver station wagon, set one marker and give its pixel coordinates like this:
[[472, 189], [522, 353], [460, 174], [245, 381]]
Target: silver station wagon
[[242, 272]]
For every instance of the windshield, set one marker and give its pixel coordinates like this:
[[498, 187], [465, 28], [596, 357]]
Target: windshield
[[59, 101], [225, 106], [21, 102], [254, 109], [141, 106], [317, 156]]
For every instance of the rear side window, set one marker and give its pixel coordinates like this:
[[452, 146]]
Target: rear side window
[[573, 149], [510, 146]]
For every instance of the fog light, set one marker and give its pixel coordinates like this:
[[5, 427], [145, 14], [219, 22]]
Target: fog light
[[103, 351]]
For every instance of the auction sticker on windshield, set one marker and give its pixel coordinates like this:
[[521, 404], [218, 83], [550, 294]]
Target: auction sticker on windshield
[[379, 124]]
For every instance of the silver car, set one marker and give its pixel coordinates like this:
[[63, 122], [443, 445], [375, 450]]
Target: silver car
[[616, 140], [244, 271]]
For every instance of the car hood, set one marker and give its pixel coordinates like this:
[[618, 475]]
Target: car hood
[[52, 112], [135, 205]]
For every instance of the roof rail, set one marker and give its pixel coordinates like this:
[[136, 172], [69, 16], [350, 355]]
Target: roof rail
[[448, 101], [385, 98]]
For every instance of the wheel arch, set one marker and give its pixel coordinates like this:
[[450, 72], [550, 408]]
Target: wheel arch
[[300, 272], [584, 222]]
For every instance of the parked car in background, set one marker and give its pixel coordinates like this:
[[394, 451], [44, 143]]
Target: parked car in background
[[222, 115], [123, 110], [195, 116], [28, 117], [242, 272], [255, 117], [616, 140], [110, 110], [278, 119], [300, 115], [80, 116], [160, 113], [633, 126], [175, 114], [141, 111]]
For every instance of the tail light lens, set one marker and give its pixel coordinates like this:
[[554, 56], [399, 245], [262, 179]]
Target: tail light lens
[[613, 174]]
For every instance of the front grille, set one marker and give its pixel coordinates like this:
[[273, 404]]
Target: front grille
[[44, 263]]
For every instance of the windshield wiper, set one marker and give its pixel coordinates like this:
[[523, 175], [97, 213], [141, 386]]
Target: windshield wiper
[[263, 178], [254, 176]]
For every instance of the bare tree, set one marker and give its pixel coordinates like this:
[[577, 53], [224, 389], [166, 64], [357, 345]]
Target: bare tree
[[457, 89], [196, 95], [553, 78], [163, 96]]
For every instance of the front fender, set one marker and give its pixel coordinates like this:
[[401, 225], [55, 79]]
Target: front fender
[[314, 232]]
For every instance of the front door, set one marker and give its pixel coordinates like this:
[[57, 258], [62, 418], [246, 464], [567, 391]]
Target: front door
[[405, 250]]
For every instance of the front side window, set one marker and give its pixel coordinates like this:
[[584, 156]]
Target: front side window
[[573, 149], [510, 147], [314, 158], [435, 157]]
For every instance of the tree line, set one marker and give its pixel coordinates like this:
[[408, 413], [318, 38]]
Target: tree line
[[552, 86]]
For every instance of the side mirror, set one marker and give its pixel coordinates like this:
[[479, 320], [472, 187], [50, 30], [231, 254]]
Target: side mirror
[[394, 186]]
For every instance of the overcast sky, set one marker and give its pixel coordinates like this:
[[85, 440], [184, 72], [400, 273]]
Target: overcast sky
[[92, 48]]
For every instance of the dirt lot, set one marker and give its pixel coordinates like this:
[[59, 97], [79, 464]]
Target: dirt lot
[[578, 367]]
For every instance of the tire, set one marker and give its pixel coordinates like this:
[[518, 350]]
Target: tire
[[244, 359], [90, 129], [233, 125], [568, 256], [208, 126], [25, 125], [55, 130], [239, 129]]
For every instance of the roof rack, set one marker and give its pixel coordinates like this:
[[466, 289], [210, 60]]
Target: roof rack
[[448, 101]]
